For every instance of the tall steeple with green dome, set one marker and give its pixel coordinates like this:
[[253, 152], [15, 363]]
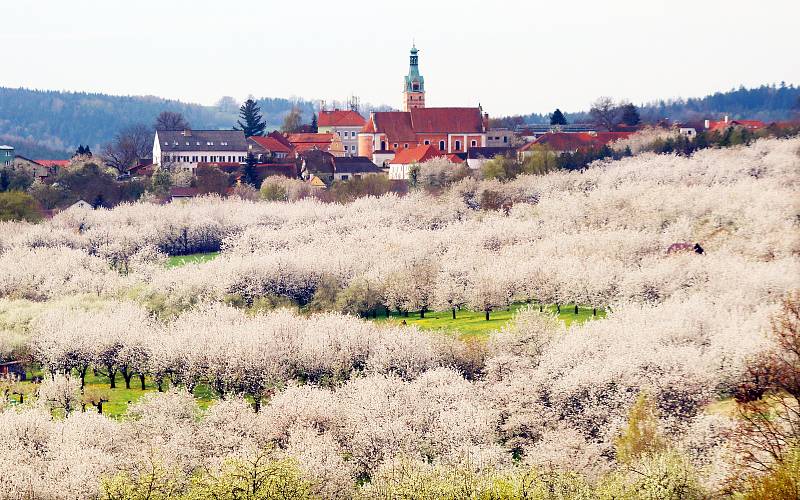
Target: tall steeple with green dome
[[414, 85]]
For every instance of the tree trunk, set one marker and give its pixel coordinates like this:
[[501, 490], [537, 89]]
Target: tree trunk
[[487, 315], [127, 376], [594, 311], [160, 385], [422, 313], [576, 308], [141, 379], [112, 377], [256, 404], [83, 375], [558, 308], [374, 314], [454, 313], [405, 314], [541, 308]]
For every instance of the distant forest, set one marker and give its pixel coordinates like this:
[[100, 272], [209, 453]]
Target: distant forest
[[51, 124], [767, 103]]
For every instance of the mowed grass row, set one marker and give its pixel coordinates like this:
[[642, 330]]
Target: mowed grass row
[[472, 324], [118, 398], [195, 258]]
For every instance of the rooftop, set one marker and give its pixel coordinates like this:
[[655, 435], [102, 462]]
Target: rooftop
[[340, 118], [201, 140]]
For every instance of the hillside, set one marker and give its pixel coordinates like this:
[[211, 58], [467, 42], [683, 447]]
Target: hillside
[[52, 123], [767, 103]]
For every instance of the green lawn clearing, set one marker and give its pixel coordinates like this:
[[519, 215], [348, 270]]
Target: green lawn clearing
[[474, 324], [195, 258], [118, 398]]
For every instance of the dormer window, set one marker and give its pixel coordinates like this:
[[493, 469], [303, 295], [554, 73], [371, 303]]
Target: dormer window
[[176, 143], [187, 143], [166, 143]]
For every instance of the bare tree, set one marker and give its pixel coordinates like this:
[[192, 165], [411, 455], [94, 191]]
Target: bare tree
[[170, 120], [605, 113], [128, 146]]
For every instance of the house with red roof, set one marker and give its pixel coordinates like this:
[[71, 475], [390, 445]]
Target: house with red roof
[[330, 143], [569, 142], [726, 122], [400, 166], [344, 123], [268, 148]]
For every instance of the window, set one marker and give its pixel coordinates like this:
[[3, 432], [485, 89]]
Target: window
[[405, 145], [458, 146], [427, 142], [474, 143], [505, 139], [395, 145], [383, 145], [187, 143], [166, 143], [344, 177], [441, 145]]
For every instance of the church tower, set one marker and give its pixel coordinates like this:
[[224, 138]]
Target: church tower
[[414, 88]]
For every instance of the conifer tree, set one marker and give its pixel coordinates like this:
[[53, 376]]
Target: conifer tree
[[250, 114], [630, 115], [249, 171], [314, 125], [558, 118]]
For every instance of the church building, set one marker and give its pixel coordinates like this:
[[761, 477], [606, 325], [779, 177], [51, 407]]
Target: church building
[[450, 130]]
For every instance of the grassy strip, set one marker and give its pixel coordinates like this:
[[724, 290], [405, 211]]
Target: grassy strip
[[195, 258], [474, 324]]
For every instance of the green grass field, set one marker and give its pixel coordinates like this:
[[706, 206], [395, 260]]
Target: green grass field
[[119, 398], [195, 258], [474, 324]]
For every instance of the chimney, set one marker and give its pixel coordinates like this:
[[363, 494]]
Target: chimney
[[186, 132], [726, 118], [707, 123]]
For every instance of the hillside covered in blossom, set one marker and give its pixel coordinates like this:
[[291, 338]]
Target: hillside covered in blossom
[[667, 394]]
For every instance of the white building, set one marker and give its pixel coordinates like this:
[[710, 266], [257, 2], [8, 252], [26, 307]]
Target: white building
[[184, 149], [344, 123], [6, 156]]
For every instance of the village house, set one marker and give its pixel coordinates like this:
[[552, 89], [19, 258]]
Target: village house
[[185, 149], [270, 148], [400, 166], [726, 122], [344, 123], [476, 157], [38, 170], [354, 167], [6, 156], [568, 143], [328, 142]]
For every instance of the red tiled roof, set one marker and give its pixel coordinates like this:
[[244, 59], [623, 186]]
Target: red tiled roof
[[278, 136], [313, 138], [749, 124], [403, 126], [416, 154], [271, 143], [183, 191], [446, 120], [566, 141], [395, 124], [53, 163], [340, 118]]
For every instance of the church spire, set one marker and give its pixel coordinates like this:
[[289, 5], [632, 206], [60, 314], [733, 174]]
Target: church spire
[[414, 85]]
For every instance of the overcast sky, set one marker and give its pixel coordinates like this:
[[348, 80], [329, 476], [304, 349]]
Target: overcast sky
[[511, 56]]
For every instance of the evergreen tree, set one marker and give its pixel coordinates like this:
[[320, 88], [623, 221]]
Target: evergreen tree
[[558, 118], [254, 124], [249, 171], [314, 125], [87, 151], [630, 115], [80, 151]]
